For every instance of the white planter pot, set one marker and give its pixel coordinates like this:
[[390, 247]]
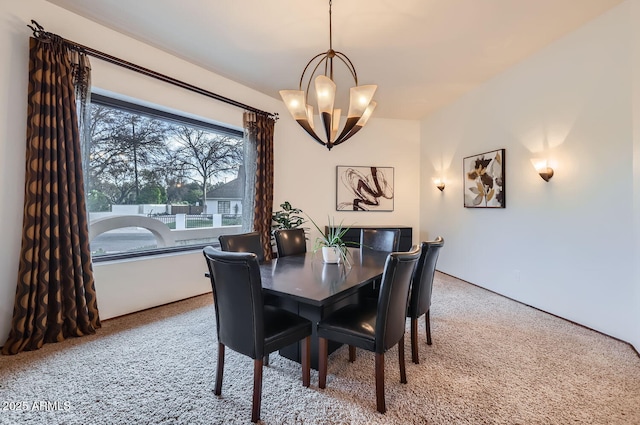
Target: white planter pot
[[331, 254]]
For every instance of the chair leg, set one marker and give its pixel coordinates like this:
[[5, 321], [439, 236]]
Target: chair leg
[[218, 388], [427, 323], [323, 353], [257, 390], [380, 383], [414, 340], [352, 353], [306, 361], [265, 359], [403, 371]]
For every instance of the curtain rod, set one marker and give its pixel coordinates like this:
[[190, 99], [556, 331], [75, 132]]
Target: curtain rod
[[40, 33]]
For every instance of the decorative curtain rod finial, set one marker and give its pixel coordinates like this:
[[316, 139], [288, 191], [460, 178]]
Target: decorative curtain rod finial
[[38, 30]]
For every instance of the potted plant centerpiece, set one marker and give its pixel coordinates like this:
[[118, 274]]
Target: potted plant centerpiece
[[334, 249]]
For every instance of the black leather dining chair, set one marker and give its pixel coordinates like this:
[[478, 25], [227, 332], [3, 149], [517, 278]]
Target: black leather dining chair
[[373, 325], [247, 325], [290, 241], [380, 239], [421, 288], [386, 240], [243, 242]]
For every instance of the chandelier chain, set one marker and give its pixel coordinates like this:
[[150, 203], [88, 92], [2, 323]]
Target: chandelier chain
[[330, 28]]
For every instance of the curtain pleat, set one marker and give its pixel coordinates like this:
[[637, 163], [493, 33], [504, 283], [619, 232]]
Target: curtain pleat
[[259, 130], [55, 293]]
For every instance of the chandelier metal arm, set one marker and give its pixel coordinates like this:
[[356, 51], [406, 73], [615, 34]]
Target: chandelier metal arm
[[344, 58], [346, 131], [307, 127], [349, 65], [324, 59], [307, 67], [352, 131]]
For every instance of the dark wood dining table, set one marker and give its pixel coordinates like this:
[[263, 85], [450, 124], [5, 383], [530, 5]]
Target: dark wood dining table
[[304, 285]]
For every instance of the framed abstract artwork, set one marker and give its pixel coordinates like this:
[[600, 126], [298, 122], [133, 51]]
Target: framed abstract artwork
[[364, 188], [484, 178]]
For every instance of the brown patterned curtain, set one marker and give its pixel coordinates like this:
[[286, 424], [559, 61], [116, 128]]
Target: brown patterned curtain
[[258, 135], [55, 294]]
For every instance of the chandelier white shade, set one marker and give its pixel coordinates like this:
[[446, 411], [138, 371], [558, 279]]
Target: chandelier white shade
[[361, 103]]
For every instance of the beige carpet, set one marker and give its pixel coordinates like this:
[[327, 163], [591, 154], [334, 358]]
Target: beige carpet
[[493, 361]]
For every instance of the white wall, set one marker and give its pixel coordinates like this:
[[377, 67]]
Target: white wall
[[565, 246], [635, 17], [305, 171], [136, 284]]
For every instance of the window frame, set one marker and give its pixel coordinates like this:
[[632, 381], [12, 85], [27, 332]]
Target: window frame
[[113, 102], [108, 101]]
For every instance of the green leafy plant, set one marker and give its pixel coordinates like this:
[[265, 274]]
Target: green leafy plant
[[288, 217], [333, 238]]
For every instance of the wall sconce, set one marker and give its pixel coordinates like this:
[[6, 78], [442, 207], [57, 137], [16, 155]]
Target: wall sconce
[[546, 174], [542, 167], [439, 184]]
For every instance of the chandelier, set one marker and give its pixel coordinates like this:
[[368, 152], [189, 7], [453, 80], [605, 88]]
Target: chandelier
[[361, 105]]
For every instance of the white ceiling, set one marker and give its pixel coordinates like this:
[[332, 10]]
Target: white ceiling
[[423, 54]]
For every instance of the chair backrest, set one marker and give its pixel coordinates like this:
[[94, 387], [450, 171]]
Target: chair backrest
[[386, 240], [422, 284], [290, 241], [243, 242], [392, 301], [237, 294]]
